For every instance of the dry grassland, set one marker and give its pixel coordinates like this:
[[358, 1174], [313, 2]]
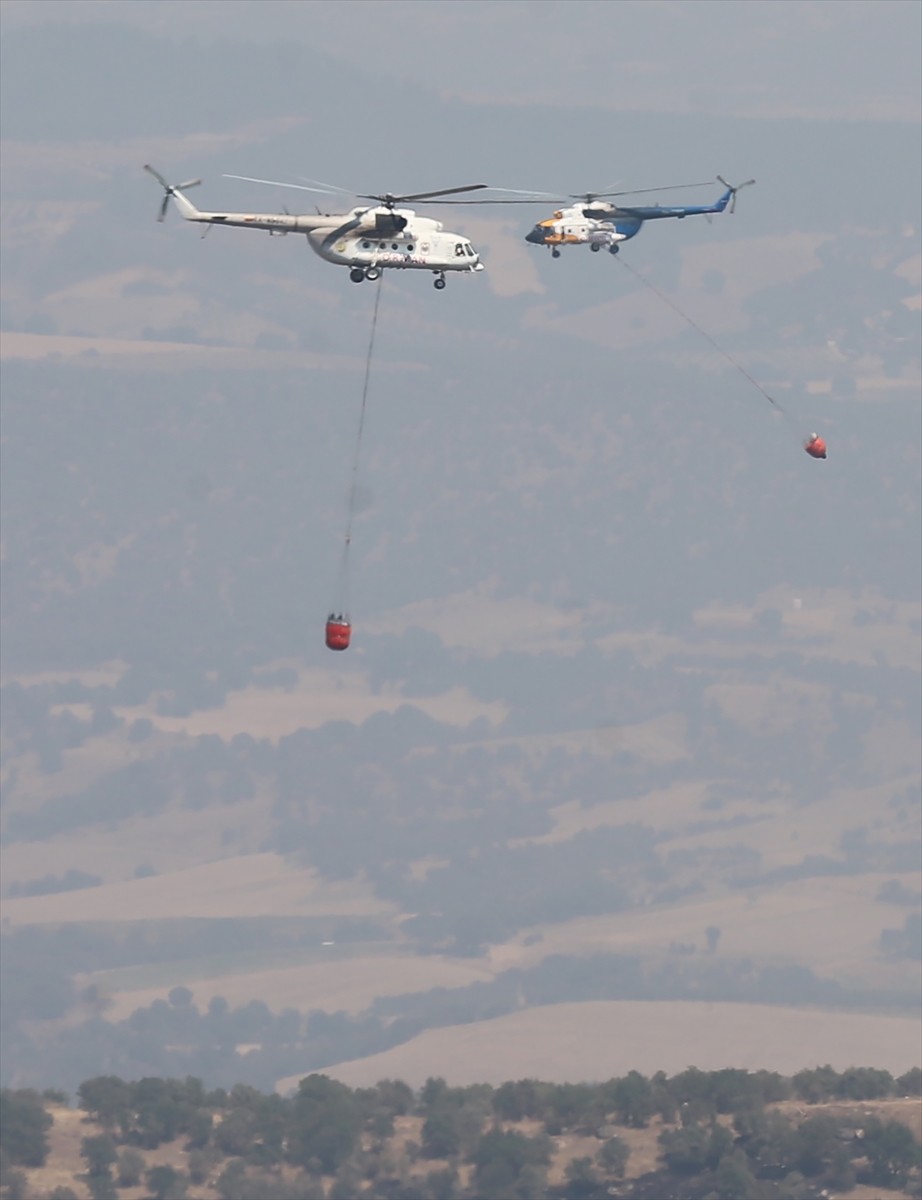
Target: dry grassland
[[320, 696], [253, 885], [136, 354], [832, 924], [476, 621], [601, 1039], [348, 985], [173, 841], [65, 1164]]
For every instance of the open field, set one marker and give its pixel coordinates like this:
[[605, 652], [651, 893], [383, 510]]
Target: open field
[[833, 924], [320, 696], [133, 354], [601, 1039], [253, 885], [334, 983], [176, 840]]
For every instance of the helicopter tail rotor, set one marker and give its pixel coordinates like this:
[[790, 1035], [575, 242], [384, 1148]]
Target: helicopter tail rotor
[[734, 189], [169, 190]]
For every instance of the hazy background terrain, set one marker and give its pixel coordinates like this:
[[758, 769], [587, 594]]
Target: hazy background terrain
[[632, 710]]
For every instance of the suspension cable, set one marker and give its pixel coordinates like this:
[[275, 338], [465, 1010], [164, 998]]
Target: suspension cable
[[361, 428], [707, 337], [343, 581]]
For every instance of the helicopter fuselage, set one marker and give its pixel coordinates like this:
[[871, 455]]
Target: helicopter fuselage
[[581, 225], [393, 239]]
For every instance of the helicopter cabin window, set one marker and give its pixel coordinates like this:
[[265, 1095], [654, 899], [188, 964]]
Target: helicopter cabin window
[[410, 248], [394, 246], [366, 245]]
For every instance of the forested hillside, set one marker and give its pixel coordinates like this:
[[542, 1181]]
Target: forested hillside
[[724, 1135]]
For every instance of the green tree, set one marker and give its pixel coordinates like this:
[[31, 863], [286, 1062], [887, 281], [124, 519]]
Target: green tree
[[578, 1106], [237, 1132], [734, 1180], [814, 1143], [325, 1123], [580, 1175], [166, 1183], [394, 1095], [160, 1111], [531, 1183], [440, 1136], [910, 1084], [523, 1098], [686, 1150], [433, 1089], [864, 1083], [347, 1182], [470, 1120], [106, 1099], [23, 1128], [613, 1157], [771, 1141], [199, 1129], [632, 1099], [99, 1153], [500, 1157], [130, 1167], [891, 1151], [795, 1187], [815, 1086], [102, 1187], [232, 1183], [198, 1164], [840, 1174], [15, 1185]]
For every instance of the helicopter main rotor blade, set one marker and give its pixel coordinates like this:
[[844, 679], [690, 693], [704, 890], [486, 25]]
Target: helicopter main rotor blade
[[333, 188], [510, 196], [278, 183], [390, 200], [672, 187]]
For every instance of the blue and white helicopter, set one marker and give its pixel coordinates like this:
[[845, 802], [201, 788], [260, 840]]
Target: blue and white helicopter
[[596, 222]]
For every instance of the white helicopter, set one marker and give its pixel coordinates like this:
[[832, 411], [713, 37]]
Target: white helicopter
[[367, 240], [601, 225]]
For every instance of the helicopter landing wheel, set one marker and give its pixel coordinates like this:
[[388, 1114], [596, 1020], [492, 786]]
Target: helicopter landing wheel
[[372, 273], [595, 248], [555, 253], [439, 283], [356, 274], [613, 249]]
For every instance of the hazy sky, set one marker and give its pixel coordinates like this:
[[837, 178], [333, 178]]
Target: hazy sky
[[848, 58]]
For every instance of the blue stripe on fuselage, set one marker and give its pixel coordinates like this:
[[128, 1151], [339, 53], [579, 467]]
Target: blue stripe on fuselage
[[658, 212]]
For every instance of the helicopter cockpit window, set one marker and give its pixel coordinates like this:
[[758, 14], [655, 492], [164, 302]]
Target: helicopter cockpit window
[[469, 249], [459, 249]]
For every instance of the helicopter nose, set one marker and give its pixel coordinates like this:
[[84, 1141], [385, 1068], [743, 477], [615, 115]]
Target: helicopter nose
[[535, 236]]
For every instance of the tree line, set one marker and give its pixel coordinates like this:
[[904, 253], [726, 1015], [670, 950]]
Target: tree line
[[720, 1134]]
